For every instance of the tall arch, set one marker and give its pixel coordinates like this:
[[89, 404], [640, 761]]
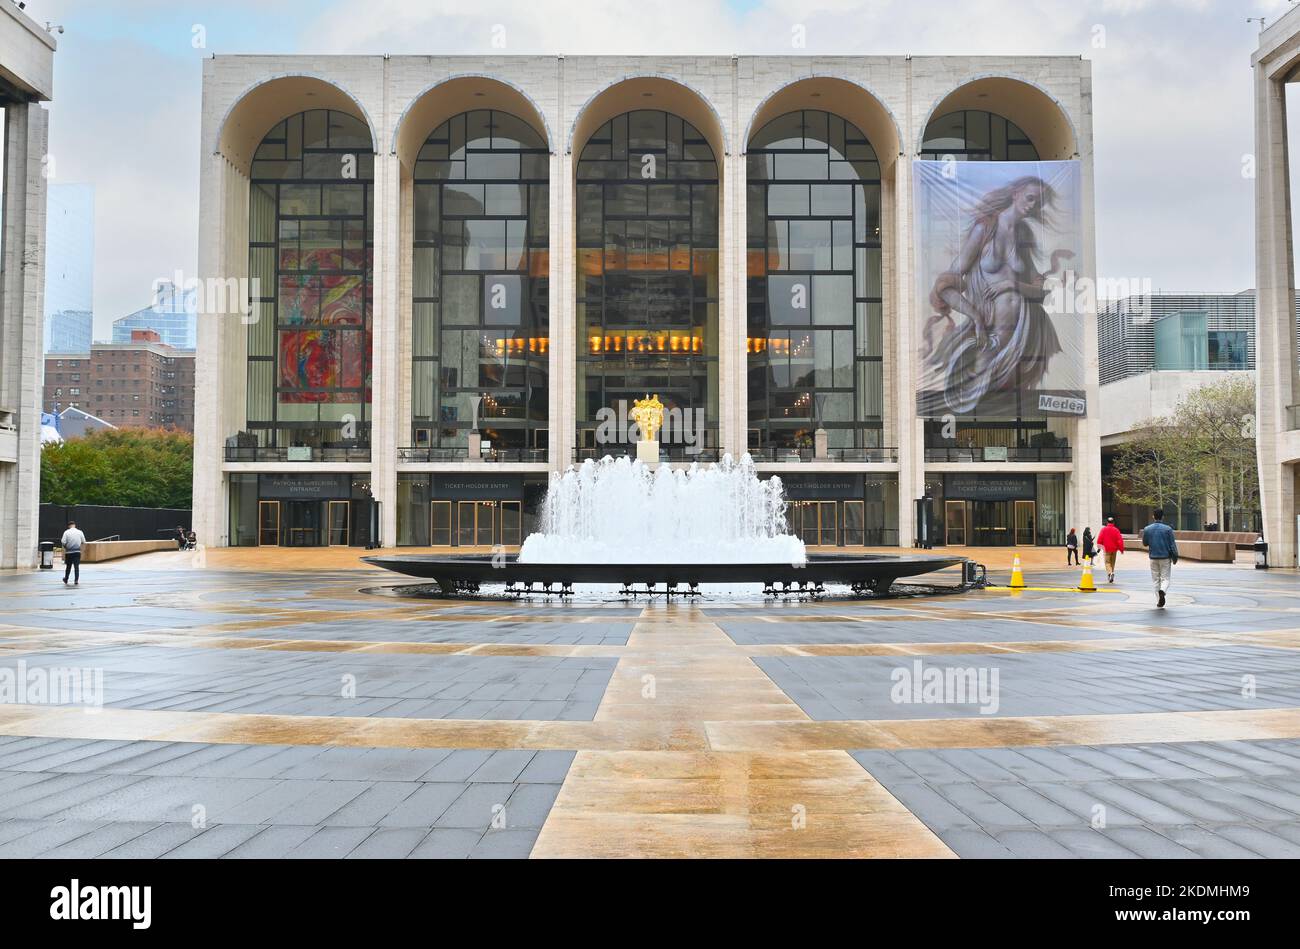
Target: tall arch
[[649, 92], [445, 98], [853, 102], [267, 103], [1044, 120]]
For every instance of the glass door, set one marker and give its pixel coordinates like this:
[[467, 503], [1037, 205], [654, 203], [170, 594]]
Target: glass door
[[440, 523], [512, 523], [338, 523], [853, 533], [303, 523], [954, 524], [268, 524], [1024, 523], [475, 523]]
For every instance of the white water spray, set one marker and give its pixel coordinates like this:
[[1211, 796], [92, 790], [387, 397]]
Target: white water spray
[[621, 511]]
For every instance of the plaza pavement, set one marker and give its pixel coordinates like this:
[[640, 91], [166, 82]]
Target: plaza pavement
[[295, 707]]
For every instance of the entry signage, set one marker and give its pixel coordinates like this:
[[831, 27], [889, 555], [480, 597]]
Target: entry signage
[[987, 487], [823, 487], [503, 487], [303, 487]]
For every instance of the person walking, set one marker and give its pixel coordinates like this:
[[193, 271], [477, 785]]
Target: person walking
[[1072, 548], [1111, 541], [1158, 539], [71, 543], [1089, 547], [179, 537]]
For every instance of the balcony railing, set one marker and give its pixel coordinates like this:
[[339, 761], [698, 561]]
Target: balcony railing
[[859, 455], [682, 454], [498, 455], [994, 455], [295, 454], [1293, 418]]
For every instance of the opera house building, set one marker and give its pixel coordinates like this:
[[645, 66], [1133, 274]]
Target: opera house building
[[428, 284]]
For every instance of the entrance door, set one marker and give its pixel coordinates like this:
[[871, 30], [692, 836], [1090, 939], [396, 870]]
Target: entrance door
[[303, 523], [1025, 523], [475, 523], [512, 523], [440, 523], [268, 524], [954, 524], [338, 523], [815, 522], [991, 524]]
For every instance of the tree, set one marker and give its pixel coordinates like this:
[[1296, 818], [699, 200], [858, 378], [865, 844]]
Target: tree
[[130, 467], [1218, 422], [1157, 470], [1205, 450]]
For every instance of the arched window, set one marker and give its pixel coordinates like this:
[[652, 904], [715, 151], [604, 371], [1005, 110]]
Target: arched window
[[480, 329], [310, 260], [972, 135], [647, 292], [814, 277]]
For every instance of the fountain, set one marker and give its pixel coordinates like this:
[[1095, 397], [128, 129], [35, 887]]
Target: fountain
[[639, 521], [624, 511]]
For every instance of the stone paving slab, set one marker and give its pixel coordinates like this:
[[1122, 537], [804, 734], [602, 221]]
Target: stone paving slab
[[750, 633], [1197, 799], [1157, 680], [352, 684], [286, 801], [444, 630]]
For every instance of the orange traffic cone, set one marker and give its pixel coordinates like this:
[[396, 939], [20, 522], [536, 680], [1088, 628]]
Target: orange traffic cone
[[1017, 578], [1085, 582]]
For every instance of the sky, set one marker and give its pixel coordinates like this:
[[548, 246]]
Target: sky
[[1172, 98]]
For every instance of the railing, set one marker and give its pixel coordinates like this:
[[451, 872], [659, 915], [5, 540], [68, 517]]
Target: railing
[[674, 453], [860, 455], [1292, 418], [434, 455], [296, 453], [993, 455]]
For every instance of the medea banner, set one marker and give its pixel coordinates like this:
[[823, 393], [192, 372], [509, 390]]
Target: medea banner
[[997, 245]]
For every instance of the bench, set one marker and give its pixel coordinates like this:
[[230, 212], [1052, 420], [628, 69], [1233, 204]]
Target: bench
[[1218, 550]]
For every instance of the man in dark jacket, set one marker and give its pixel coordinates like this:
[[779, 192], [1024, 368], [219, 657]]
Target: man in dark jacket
[[1158, 539]]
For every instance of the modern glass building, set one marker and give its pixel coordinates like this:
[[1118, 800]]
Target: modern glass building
[[69, 268], [173, 315], [467, 275]]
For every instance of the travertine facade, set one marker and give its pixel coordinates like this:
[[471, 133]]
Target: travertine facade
[[1278, 422], [402, 99], [26, 80]]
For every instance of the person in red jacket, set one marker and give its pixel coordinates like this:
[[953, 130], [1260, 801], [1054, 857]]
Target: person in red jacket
[[1111, 541]]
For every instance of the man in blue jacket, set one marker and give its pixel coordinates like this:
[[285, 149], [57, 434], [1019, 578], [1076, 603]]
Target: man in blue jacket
[[1158, 538]]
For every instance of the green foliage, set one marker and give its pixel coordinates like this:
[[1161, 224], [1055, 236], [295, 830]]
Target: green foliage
[[130, 467], [1204, 451]]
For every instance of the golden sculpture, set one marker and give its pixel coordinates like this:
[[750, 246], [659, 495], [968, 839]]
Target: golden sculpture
[[649, 415]]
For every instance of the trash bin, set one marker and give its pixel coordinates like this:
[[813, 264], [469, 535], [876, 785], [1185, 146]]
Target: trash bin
[[47, 554], [1261, 554]]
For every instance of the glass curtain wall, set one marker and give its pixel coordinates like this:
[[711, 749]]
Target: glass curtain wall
[[815, 343], [310, 260], [647, 205], [480, 329]]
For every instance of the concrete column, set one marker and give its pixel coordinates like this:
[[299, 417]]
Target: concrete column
[[386, 368], [563, 298], [733, 399], [1275, 340], [22, 297], [900, 317]]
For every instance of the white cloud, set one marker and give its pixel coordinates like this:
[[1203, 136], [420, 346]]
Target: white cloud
[[1172, 98]]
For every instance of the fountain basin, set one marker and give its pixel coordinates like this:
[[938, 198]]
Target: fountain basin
[[871, 572]]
